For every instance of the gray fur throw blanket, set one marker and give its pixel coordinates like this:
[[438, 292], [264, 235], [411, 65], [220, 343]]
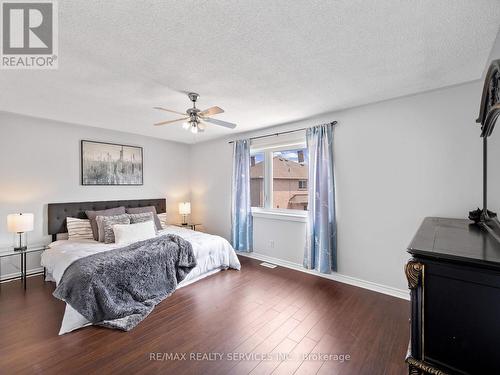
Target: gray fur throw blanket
[[120, 287]]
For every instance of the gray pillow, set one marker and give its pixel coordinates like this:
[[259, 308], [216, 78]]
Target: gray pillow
[[141, 218], [107, 222], [141, 210], [91, 215], [100, 226]]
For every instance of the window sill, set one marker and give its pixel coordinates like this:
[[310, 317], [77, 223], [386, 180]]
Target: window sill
[[274, 214]]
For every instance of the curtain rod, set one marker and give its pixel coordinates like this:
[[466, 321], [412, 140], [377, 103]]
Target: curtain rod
[[280, 133]]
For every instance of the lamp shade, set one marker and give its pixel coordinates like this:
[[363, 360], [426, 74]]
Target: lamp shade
[[185, 208], [19, 223]]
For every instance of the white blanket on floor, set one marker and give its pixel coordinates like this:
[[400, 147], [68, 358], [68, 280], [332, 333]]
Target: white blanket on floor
[[212, 253]]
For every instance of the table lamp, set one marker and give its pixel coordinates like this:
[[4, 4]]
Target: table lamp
[[20, 224], [184, 210]]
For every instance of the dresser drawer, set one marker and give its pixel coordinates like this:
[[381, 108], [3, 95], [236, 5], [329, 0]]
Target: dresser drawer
[[461, 318]]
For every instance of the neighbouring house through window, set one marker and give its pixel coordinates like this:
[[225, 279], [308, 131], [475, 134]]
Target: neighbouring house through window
[[257, 179], [279, 176]]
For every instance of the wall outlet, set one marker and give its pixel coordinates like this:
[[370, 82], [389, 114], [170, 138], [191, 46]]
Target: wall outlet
[[271, 244]]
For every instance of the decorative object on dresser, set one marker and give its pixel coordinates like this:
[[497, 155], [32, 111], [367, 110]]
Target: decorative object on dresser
[[184, 210], [488, 115], [110, 164], [20, 224], [454, 279]]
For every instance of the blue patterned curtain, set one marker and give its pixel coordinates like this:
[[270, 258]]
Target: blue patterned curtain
[[321, 245], [241, 231]]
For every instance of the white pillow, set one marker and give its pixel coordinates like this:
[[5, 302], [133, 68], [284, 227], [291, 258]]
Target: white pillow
[[79, 229], [129, 233], [163, 220]]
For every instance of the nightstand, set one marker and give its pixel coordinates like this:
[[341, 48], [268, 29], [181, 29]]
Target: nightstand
[[191, 226], [9, 252]]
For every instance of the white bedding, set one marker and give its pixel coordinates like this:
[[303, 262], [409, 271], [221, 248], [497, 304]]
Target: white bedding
[[212, 253]]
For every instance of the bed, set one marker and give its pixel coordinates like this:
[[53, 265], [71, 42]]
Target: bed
[[212, 253]]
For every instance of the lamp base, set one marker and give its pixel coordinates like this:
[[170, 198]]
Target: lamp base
[[22, 245]]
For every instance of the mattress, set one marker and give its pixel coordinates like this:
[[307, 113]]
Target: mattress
[[213, 253]]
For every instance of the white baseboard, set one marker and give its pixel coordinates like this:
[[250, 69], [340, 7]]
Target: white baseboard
[[18, 274], [384, 289], [391, 291]]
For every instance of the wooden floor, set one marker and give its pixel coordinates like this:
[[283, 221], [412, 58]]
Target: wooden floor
[[274, 317]]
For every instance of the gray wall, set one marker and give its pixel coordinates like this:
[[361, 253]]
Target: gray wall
[[397, 162], [40, 164]]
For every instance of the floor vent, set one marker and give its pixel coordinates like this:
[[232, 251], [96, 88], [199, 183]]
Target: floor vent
[[268, 265]]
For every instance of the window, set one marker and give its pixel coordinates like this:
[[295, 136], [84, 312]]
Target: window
[[279, 175], [289, 170], [257, 179]]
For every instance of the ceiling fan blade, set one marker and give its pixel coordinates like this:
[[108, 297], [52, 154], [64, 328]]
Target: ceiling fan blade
[[211, 111], [169, 110], [220, 123], [202, 126], [170, 121]]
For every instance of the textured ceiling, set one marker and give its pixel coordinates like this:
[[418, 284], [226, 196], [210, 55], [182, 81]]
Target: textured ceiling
[[264, 62]]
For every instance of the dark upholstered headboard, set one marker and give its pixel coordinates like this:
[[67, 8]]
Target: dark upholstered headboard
[[58, 212]]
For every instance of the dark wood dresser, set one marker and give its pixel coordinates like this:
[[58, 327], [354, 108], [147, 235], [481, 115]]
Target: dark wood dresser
[[454, 279]]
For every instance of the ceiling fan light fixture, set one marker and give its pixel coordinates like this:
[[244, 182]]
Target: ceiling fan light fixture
[[194, 116]]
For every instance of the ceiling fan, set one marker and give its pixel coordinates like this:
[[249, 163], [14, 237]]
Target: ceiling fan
[[195, 119]]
